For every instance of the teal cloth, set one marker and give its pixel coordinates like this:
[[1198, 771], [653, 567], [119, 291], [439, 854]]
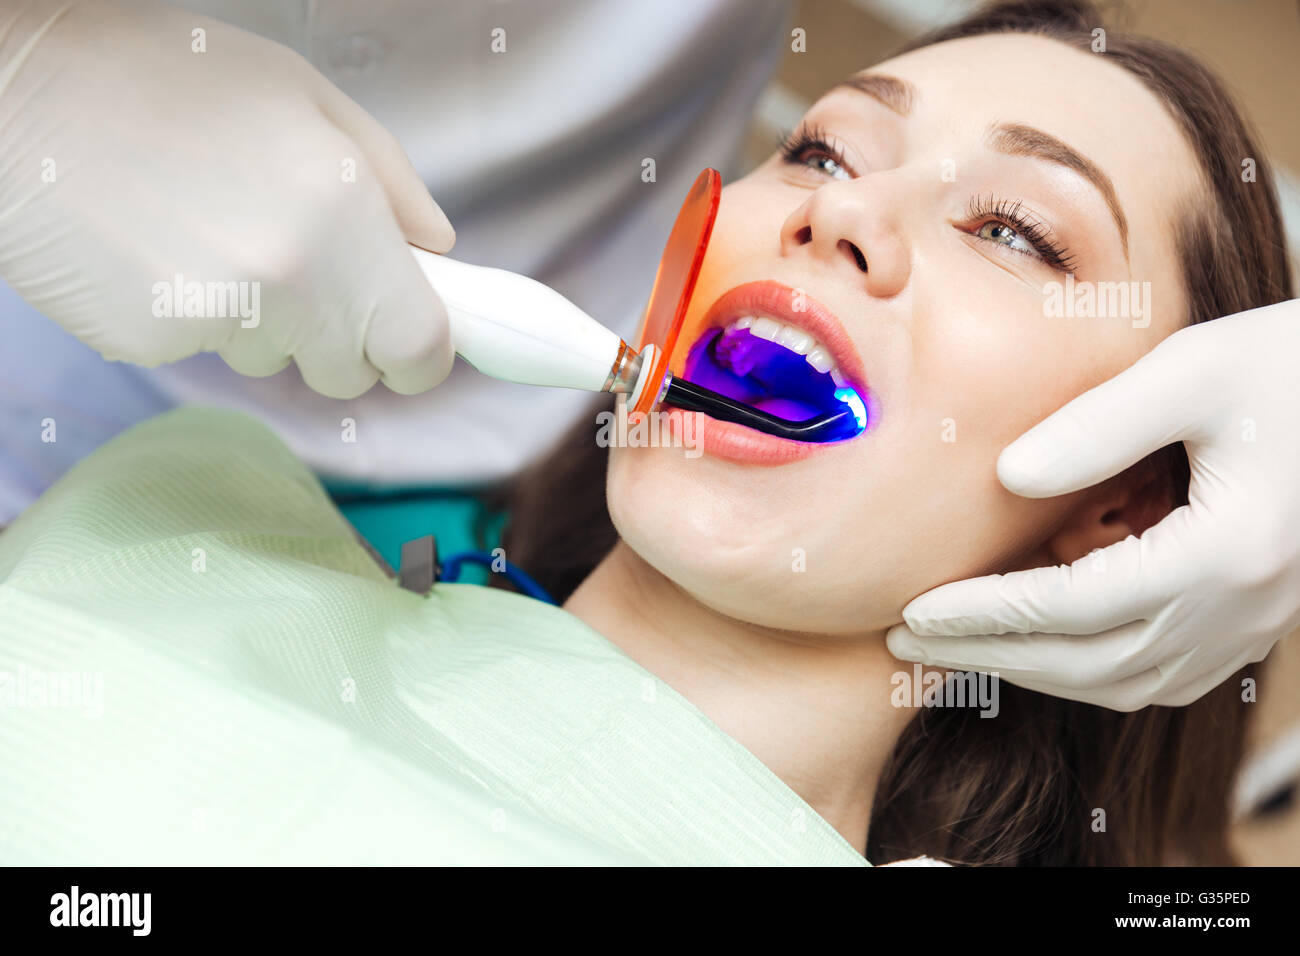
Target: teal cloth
[[269, 695], [387, 518]]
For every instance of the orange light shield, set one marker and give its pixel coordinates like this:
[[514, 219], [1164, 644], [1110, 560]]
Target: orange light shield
[[679, 267]]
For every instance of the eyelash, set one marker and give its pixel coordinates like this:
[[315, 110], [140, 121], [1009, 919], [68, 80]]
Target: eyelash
[[811, 139], [1009, 213]]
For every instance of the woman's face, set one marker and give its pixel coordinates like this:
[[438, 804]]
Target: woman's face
[[918, 231]]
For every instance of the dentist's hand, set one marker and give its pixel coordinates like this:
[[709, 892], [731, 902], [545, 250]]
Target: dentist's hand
[[1164, 618], [141, 142]]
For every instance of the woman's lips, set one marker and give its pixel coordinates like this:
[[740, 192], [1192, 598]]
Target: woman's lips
[[736, 442]]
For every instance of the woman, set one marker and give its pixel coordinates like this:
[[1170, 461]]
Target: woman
[[908, 239], [1116, 166]]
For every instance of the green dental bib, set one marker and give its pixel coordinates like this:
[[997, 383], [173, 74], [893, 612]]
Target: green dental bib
[[199, 664]]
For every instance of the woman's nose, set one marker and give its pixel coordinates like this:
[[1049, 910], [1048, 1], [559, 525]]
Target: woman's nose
[[851, 228]]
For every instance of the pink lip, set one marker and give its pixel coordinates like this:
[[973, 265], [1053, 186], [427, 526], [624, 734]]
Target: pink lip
[[736, 442]]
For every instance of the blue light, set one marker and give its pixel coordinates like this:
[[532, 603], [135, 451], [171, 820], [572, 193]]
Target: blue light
[[852, 399]]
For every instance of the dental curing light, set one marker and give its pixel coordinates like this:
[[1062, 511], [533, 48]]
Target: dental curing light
[[844, 422], [514, 328]]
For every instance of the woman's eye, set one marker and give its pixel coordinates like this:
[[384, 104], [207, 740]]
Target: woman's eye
[[811, 147], [1003, 234], [826, 164], [1004, 223]]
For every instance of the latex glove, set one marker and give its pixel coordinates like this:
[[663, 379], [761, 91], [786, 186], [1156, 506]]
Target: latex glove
[[1163, 618], [129, 158]]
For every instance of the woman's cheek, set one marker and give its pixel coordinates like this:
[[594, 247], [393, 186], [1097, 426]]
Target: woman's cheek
[[748, 226]]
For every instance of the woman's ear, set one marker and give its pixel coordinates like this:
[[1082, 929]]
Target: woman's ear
[[1129, 503]]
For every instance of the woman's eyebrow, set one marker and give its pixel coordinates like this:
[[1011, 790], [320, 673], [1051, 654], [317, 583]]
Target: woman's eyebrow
[[898, 95], [1016, 139]]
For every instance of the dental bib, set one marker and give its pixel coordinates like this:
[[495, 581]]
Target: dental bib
[[267, 695]]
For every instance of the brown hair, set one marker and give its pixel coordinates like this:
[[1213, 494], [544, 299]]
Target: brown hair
[[1024, 789]]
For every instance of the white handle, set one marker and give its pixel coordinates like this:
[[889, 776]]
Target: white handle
[[512, 327]]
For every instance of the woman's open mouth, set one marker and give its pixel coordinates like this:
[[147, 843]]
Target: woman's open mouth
[[775, 368], [774, 349]]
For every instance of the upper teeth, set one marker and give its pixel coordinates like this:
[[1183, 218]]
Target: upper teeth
[[793, 338]]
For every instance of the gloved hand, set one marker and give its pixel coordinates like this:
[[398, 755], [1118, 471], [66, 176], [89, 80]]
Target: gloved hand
[[1163, 618], [131, 155]]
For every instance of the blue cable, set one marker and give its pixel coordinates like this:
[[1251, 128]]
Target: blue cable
[[450, 571]]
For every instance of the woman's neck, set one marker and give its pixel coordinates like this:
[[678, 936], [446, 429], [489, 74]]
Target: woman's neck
[[814, 709]]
